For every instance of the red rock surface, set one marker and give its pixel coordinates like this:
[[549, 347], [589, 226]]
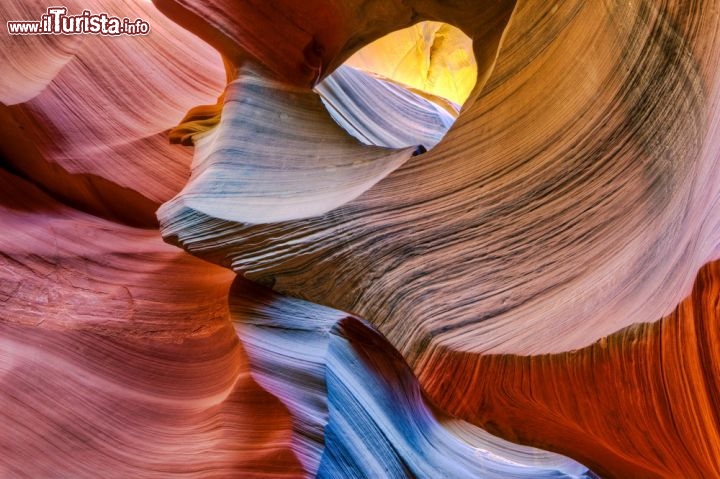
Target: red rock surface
[[642, 402], [117, 357]]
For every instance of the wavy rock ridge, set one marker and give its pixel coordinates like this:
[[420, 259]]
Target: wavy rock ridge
[[358, 410], [640, 403]]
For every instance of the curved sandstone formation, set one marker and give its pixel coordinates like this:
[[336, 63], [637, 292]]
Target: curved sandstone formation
[[93, 132], [640, 403], [512, 278], [357, 409], [568, 201], [117, 357], [378, 111], [242, 173]]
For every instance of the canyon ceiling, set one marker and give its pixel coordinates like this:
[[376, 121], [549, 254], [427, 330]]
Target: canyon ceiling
[[268, 240]]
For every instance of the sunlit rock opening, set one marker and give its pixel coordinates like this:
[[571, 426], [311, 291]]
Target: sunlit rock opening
[[404, 89]]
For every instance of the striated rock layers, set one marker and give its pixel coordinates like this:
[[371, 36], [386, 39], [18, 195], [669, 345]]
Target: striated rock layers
[[372, 311], [640, 403], [572, 198]]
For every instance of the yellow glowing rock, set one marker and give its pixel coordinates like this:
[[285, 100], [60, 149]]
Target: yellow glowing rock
[[433, 57]]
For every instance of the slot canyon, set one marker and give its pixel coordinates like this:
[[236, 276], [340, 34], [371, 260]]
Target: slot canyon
[[362, 239]]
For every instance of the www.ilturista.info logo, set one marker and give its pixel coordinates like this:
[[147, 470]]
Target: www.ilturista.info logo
[[57, 22]]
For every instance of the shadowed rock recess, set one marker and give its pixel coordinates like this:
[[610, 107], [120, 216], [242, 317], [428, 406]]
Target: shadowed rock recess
[[367, 239]]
